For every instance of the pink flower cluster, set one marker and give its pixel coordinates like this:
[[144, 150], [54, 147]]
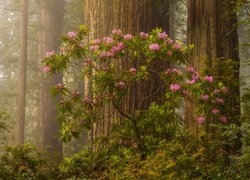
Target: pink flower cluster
[[120, 85], [201, 119], [127, 36], [175, 87], [216, 91], [93, 47], [190, 81], [46, 69], [133, 70], [108, 40], [220, 100], [97, 41], [143, 35], [120, 46], [191, 69], [154, 47], [209, 79], [223, 119], [116, 32], [50, 54], [72, 34], [215, 111], [60, 86], [176, 46], [162, 35]]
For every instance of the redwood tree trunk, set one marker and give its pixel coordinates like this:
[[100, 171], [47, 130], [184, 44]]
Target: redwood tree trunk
[[52, 26], [132, 17], [212, 30]]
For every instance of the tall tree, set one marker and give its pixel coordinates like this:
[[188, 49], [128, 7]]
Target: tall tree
[[22, 76], [131, 17], [212, 30], [52, 26]]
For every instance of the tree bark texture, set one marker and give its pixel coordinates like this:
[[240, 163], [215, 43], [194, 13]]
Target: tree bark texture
[[132, 17], [22, 71], [212, 30], [52, 26]]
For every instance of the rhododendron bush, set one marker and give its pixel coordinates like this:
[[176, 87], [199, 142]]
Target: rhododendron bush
[[117, 65], [101, 61]]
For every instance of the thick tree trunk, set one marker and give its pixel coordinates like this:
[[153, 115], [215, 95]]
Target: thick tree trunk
[[22, 70], [212, 30], [132, 17], [52, 26]]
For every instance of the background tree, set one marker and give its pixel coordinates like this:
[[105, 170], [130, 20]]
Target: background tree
[[52, 27], [22, 76], [213, 32]]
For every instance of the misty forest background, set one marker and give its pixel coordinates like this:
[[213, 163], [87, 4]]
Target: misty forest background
[[41, 140]]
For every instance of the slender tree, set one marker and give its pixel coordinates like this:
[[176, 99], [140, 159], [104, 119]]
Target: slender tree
[[22, 69], [212, 30]]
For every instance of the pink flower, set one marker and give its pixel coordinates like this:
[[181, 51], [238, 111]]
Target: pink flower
[[46, 69], [220, 101], [216, 91], [120, 46], [204, 97], [127, 36], [169, 53], [209, 79], [224, 89], [223, 119], [120, 85], [133, 71], [162, 35], [60, 86], [185, 92], [154, 47], [116, 32], [215, 111], [175, 87], [177, 46], [201, 119], [108, 40], [190, 81], [97, 41], [93, 47], [190, 69], [143, 34], [72, 34], [50, 53]]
